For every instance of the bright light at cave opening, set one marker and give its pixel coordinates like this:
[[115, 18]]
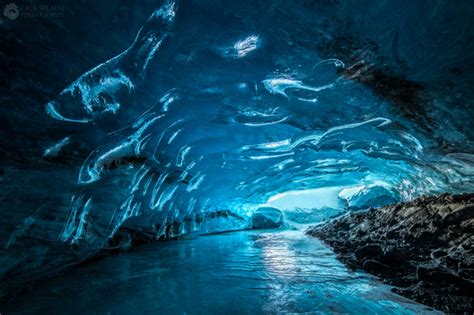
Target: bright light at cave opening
[[309, 198]]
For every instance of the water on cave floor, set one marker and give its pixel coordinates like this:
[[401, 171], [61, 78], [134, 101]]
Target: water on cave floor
[[241, 272]]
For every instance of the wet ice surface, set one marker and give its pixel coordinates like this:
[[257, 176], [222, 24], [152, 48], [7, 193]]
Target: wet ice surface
[[240, 272]]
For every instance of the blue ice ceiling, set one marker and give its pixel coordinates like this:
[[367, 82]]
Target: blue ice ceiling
[[239, 116], [218, 108]]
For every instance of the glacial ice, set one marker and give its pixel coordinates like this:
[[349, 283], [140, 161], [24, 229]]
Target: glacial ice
[[99, 91], [197, 125], [206, 153]]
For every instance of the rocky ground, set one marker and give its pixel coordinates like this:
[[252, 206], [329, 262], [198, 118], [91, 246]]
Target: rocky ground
[[424, 248]]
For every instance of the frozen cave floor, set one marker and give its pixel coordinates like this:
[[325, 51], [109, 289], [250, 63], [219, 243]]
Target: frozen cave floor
[[251, 272], [425, 248]]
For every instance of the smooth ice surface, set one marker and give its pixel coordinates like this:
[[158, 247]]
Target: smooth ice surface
[[239, 272]]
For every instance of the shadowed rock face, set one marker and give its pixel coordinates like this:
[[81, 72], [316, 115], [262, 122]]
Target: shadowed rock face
[[424, 248]]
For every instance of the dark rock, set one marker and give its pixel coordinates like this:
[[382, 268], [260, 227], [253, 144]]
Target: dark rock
[[393, 257], [376, 267], [441, 277], [459, 215], [368, 251], [423, 247], [438, 253]]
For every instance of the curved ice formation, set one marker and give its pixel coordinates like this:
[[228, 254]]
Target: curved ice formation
[[245, 46], [54, 150], [255, 118], [280, 85], [101, 90]]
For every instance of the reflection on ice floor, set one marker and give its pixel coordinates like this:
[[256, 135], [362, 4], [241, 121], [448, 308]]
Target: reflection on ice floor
[[240, 272]]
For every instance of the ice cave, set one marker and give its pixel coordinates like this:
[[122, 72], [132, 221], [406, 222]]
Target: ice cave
[[237, 157]]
